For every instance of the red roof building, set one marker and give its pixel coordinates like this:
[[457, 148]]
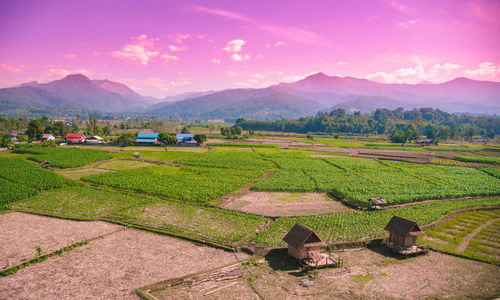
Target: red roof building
[[75, 138]]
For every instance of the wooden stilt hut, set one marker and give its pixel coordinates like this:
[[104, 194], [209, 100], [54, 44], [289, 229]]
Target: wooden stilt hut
[[403, 234]]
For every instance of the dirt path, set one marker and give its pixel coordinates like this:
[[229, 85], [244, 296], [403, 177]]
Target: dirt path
[[465, 242]]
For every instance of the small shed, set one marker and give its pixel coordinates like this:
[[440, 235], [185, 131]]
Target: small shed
[[303, 243], [185, 138], [377, 202], [403, 232], [48, 137], [95, 140]]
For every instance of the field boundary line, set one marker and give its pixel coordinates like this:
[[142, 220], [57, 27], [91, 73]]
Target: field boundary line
[[466, 240], [42, 258]]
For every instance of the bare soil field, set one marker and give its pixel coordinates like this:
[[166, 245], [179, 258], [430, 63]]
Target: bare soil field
[[111, 267], [21, 234], [79, 173], [283, 204], [366, 274]]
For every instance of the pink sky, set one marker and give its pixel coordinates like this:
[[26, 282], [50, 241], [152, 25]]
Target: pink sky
[[162, 48]]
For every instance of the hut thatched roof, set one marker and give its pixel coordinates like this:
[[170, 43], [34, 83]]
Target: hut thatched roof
[[403, 226], [300, 235]]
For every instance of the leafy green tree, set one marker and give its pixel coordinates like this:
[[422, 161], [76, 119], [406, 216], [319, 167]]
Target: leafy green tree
[[93, 125], [200, 138], [185, 129], [127, 138], [236, 130], [167, 138], [411, 133], [443, 133], [397, 136], [430, 131], [35, 130], [5, 140]]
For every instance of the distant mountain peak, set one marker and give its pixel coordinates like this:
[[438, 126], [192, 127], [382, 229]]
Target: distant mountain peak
[[76, 78]]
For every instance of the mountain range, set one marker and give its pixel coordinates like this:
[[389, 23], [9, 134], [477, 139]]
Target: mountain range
[[319, 92]]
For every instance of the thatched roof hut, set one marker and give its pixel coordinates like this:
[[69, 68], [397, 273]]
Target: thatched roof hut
[[403, 232], [303, 242]]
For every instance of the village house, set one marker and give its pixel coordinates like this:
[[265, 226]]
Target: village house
[[95, 140], [403, 234], [185, 138], [144, 138], [75, 138], [47, 137]]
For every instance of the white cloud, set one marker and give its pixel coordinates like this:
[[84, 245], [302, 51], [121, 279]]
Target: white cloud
[[485, 70], [167, 57], [342, 63], [215, 61], [243, 84], [416, 74], [294, 78], [179, 38], [234, 46], [58, 73], [177, 48], [279, 44], [238, 57], [258, 76], [140, 51], [408, 24], [11, 68], [231, 74]]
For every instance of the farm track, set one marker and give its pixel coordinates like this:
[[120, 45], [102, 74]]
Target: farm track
[[466, 240]]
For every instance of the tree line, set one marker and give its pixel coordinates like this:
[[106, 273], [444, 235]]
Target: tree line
[[399, 124]]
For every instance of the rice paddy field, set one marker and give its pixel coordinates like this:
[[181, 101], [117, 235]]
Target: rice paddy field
[[473, 234]]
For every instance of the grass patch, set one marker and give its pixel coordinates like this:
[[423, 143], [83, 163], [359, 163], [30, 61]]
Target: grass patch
[[65, 157]]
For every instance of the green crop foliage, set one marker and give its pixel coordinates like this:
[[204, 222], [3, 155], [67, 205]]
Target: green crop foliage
[[196, 184], [229, 160], [492, 171], [354, 226], [65, 157], [479, 159], [159, 155], [20, 179], [94, 203], [245, 145], [358, 180]]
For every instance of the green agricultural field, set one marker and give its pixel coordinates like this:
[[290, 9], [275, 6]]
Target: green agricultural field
[[196, 184], [451, 162], [160, 155], [244, 145], [82, 202], [229, 160], [354, 226], [358, 180], [473, 234], [65, 157], [492, 171], [479, 159], [118, 165], [20, 179]]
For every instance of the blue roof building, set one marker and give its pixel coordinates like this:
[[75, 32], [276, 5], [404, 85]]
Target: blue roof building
[[147, 138]]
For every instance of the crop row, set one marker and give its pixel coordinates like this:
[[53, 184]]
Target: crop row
[[353, 226], [229, 160], [93, 203], [479, 159], [65, 157], [492, 171], [249, 145], [450, 162], [358, 180], [20, 179], [197, 184]]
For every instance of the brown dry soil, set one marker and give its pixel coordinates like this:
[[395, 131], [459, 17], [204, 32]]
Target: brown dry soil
[[21, 234], [283, 204], [366, 274], [111, 267]]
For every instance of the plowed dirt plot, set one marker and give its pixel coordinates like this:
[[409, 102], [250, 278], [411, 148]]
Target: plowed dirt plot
[[21, 234], [284, 204], [112, 267]]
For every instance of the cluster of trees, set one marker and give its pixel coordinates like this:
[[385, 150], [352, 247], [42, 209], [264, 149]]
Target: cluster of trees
[[231, 132], [398, 123]]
